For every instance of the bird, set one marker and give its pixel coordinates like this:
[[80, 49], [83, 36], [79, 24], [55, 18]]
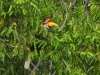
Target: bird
[[47, 24]]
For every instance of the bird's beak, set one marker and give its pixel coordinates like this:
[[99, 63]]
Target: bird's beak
[[51, 24]]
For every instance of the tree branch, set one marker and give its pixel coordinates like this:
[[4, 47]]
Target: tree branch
[[66, 65], [32, 72], [34, 65], [66, 16], [64, 22], [50, 67], [54, 73]]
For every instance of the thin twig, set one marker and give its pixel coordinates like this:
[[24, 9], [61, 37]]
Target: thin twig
[[73, 4], [34, 65], [1, 40], [66, 65], [29, 69], [54, 73], [50, 64], [50, 67], [86, 7], [64, 22], [32, 72], [12, 62], [64, 5], [66, 16]]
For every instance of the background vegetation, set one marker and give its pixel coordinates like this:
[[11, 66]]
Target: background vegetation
[[72, 49]]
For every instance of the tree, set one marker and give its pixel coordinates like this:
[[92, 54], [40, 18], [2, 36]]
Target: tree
[[71, 49]]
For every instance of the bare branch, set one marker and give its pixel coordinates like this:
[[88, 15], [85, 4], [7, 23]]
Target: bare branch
[[29, 69], [54, 73], [64, 4], [73, 4], [66, 16], [32, 72], [86, 7], [64, 22], [50, 67], [34, 65], [66, 65]]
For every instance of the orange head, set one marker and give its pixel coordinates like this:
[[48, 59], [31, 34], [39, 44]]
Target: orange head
[[49, 23]]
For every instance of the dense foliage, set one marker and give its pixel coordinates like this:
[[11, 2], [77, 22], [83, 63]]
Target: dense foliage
[[71, 49]]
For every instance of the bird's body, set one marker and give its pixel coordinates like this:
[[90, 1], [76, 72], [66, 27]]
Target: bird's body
[[47, 25]]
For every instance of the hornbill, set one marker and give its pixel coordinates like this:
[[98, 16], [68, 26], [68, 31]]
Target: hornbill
[[47, 24]]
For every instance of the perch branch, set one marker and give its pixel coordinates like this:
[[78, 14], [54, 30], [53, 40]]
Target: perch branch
[[66, 65]]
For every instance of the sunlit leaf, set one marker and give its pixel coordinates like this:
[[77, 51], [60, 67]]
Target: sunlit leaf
[[12, 69], [24, 11], [34, 5]]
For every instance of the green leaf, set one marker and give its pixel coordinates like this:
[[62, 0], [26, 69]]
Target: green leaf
[[31, 21], [90, 69], [90, 54], [98, 31], [10, 11], [12, 69], [10, 30], [24, 11], [88, 36], [3, 31], [3, 69], [1, 5], [10, 8], [34, 5], [2, 56], [15, 33], [76, 34], [15, 51], [72, 46], [19, 1]]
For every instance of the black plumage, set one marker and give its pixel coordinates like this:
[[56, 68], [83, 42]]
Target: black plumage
[[38, 46]]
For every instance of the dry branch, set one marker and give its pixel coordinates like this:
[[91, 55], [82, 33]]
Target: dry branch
[[66, 65], [36, 67]]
